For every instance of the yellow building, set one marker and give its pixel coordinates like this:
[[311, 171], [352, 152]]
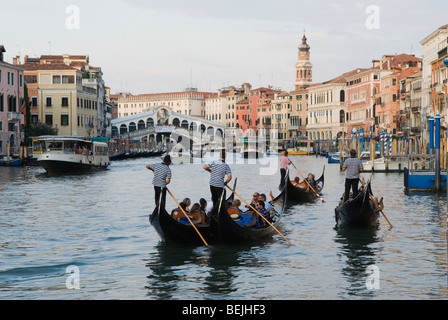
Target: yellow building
[[63, 102]]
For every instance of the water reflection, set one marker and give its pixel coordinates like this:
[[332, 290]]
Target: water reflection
[[198, 271], [357, 253]]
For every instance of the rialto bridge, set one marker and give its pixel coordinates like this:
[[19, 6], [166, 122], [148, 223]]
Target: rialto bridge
[[159, 125]]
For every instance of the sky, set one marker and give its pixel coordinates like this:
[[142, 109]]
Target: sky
[[150, 46]]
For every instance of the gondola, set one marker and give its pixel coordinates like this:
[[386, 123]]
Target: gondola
[[302, 192], [173, 231], [359, 212], [227, 229]]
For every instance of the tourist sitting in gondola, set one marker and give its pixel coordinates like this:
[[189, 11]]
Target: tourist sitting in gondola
[[256, 220], [295, 182], [267, 205], [195, 215], [311, 179], [205, 208], [177, 213], [235, 208], [254, 200], [262, 210], [187, 202]]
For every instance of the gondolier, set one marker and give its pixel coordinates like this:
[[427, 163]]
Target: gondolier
[[284, 162], [218, 171], [162, 177], [353, 166]]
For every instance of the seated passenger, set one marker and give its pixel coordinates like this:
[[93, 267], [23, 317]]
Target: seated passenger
[[311, 180], [254, 200], [261, 210], [187, 202], [177, 213], [205, 209], [267, 205], [235, 207], [196, 216], [295, 182]]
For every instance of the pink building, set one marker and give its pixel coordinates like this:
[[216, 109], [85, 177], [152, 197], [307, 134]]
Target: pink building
[[11, 103], [362, 86]]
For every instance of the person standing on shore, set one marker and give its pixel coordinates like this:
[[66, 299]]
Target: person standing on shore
[[218, 171], [353, 166], [284, 163], [162, 177]]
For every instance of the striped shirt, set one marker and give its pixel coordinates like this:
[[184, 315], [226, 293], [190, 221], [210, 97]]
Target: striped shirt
[[161, 173], [219, 170], [353, 165]]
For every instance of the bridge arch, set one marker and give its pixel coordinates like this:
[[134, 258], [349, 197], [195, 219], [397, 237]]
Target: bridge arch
[[114, 131], [184, 124]]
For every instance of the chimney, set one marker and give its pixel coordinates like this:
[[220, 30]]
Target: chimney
[[16, 60], [376, 63], [2, 50]]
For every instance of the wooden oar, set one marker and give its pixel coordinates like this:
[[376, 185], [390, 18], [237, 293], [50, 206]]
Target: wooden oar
[[376, 204], [259, 214], [323, 201], [186, 215], [363, 183]]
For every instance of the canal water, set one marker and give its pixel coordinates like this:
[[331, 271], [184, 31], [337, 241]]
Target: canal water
[[88, 237]]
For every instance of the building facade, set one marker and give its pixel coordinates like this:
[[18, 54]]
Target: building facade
[[67, 94], [190, 102], [327, 108], [433, 47], [221, 107], [11, 106]]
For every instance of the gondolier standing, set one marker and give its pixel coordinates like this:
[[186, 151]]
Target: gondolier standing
[[353, 166], [284, 163], [218, 171], [162, 177]]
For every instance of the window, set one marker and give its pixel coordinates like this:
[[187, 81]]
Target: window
[[21, 80], [49, 119], [56, 79], [64, 101], [1, 104], [33, 102], [64, 119], [48, 102], [0, 76], [30, 79], [68, 79], [12, 102]]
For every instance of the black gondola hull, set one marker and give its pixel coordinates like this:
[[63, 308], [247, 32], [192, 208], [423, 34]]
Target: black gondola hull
[[173, 231], [297, 194], [225, 229], [360, 212]]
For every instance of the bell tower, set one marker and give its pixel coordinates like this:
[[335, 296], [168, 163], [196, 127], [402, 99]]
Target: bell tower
[[304, 68]]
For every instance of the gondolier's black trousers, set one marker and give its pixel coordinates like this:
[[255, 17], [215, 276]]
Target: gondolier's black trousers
[[282, 178], [216, 194], [158, 191], [351, 184]]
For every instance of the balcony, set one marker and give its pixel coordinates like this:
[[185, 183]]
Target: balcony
[[14, 116], [440, 89], [415, 109]]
